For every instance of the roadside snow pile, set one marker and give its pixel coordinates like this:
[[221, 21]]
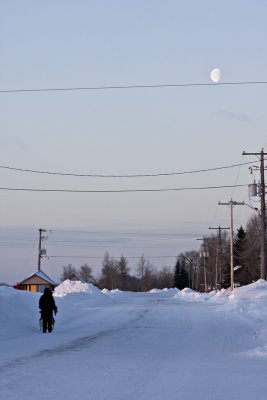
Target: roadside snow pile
[[68, 287], [251, 302], [243, 298], [253, 291], [249, 299], [165, 293], [18, 309], [190, 295], [80, 294], [120, 295], [124, 295], [113, 291]]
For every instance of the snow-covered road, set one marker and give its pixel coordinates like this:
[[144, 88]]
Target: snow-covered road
[[136, 346]]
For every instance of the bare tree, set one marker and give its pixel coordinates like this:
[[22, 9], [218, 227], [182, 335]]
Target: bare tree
[[140, 271], [109, 275], [191, 261], [145, 273], [165, 278], [85, 273], [69, 272]]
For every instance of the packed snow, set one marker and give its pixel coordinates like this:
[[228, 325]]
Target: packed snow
[[163, 344]]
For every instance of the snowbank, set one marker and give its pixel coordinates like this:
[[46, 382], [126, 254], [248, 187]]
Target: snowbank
[[83, 306], [253, 291], [190, 295], [18, 310], [80, 294], [124, 295], [250, 299], [68, 287]]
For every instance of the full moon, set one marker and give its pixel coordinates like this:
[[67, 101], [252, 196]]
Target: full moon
[[215, 75]]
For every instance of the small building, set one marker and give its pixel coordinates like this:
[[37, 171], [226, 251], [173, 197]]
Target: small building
[[37, 282]]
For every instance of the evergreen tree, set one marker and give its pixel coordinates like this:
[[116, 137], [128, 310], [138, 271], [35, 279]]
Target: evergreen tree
[[177, 271], [123, 273], [247, 252], [181, 278], [240, 246], [184, 279], [226, 279]]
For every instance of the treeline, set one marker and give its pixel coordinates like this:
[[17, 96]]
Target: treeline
[[202, 270], [209, 268], [116, 274]]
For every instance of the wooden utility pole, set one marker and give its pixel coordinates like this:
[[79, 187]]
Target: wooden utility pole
[[219, 255], [205, 255], [40, 250], [232, 203], [262, 214]]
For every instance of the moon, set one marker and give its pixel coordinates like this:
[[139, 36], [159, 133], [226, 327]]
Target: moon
[[215, 75]]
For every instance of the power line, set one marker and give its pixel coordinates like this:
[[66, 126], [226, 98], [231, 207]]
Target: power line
[[99, 257], [167, 235], [120, 190], [155, 86], [126, 176]]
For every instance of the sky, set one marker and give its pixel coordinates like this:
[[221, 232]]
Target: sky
[[161, 343], [141, 131]]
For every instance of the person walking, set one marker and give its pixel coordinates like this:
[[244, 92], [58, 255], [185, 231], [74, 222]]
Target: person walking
[[47, 305]]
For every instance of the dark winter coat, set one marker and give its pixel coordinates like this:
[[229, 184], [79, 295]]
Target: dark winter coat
[[47, 304]]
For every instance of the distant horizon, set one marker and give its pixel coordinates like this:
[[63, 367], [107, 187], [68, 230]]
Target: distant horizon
[[77, 247]]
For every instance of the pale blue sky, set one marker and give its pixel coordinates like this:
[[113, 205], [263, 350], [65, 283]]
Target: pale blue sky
[[97, 43]]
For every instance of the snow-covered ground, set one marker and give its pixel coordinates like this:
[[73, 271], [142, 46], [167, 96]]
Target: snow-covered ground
[[165, 344]]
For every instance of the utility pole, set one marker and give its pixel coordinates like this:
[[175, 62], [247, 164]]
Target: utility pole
[[232, 203], [204, 255], [41, 252], [219, 250], [262, 214]]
